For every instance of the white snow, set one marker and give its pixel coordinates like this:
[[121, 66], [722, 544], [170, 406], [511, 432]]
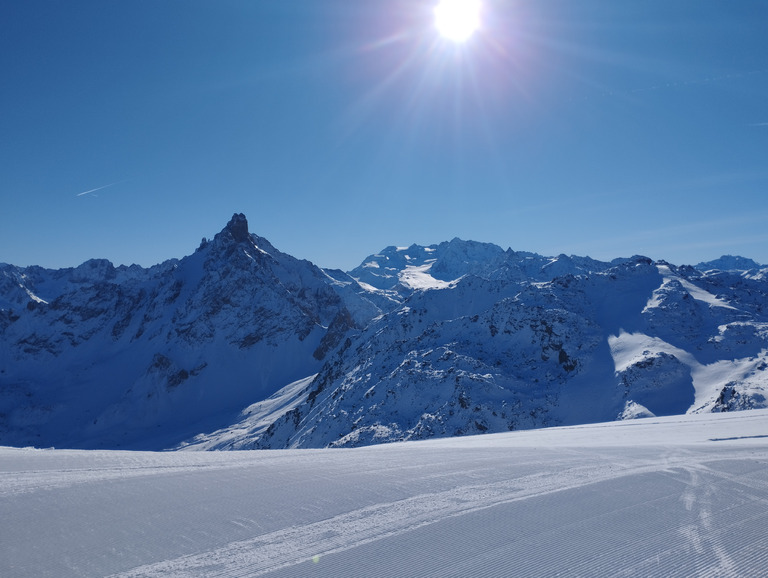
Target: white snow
[[681, 495], [259, 249], [33, 296], [634, 410], [696, 292], [708, 379], [255, 419], [705, 296], [417, 277], [369, 288], [629, 348]]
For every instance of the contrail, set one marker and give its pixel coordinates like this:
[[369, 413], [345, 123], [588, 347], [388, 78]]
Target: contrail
[[99, 188]]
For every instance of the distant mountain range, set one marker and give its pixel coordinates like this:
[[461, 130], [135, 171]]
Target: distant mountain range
[[239, 345]]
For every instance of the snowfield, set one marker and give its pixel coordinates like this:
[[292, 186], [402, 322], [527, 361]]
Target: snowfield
[[672, 496]]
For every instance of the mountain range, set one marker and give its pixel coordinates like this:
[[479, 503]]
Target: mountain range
[[240, 346]]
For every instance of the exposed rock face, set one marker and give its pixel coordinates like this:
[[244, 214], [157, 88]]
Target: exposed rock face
[[238, 228]]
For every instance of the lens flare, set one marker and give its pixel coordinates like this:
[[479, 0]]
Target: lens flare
[[457, 20]]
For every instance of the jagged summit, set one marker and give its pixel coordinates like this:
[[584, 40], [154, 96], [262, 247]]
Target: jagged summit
[[236, 230], [236, 241]]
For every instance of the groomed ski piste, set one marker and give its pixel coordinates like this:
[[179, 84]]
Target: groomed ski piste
[[673, 496]]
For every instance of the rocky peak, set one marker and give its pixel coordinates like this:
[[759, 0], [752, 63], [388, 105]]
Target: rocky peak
[[94, 270], [238, 228], [234, 234]]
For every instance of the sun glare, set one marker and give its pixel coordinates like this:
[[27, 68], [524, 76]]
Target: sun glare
[[457, 20]]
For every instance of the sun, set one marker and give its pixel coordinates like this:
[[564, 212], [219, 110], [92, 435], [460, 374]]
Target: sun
[[457, 20]]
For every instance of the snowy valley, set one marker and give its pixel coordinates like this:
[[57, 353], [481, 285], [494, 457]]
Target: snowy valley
[[240, 346]]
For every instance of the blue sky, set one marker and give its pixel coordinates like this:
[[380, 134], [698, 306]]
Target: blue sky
[[340, 127]]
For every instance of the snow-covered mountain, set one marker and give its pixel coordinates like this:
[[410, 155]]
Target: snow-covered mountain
[[404, 269], [239, 345], [103, 356], [634, 339], [729, 263]]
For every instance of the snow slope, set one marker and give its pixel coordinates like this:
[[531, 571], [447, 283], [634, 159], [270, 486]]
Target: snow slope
[[672, 496], [254, 420]]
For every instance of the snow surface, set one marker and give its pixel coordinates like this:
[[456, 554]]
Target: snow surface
[[696, 292], [417, 277], [708, 379], [255, 419], [671, 496]]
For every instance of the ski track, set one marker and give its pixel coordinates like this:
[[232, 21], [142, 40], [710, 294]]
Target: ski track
[[680, 496], [287, 548], [268, 552]]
